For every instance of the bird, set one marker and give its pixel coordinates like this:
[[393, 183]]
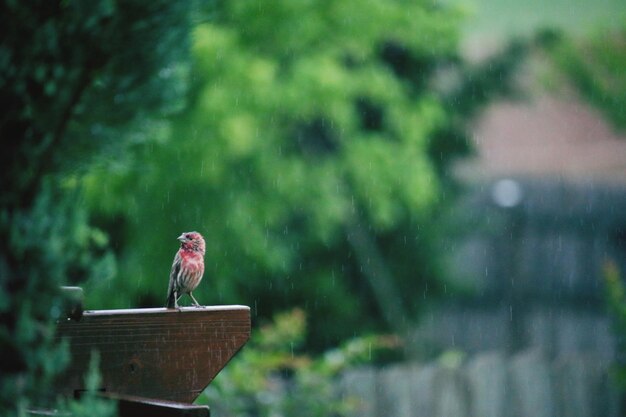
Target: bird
[[187, 268]]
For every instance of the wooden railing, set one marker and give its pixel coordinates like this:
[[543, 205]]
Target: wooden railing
[[153, 359]]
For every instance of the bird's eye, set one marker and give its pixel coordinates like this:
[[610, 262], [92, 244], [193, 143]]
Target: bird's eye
[[189, 237]]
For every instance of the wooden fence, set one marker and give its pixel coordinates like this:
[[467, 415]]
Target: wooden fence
[[488, 385]]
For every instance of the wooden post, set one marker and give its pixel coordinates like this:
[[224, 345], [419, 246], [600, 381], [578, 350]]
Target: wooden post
[[153, 353]]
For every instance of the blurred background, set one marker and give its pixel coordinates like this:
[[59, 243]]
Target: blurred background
[[422, 202]]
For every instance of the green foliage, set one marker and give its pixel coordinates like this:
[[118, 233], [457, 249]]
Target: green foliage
[[89, 404], [68, 88], [596, 66], [271, 376], [307, 124], [616, 301], [52, 244], [70, 96]]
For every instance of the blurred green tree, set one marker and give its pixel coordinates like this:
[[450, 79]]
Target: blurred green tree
[[312, 157], [615, 294], [595, 64], [80, 82]]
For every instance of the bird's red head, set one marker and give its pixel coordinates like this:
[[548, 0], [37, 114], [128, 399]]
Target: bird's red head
[[192, 241]]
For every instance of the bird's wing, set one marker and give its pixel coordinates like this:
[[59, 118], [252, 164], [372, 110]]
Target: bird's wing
[[174, 274]]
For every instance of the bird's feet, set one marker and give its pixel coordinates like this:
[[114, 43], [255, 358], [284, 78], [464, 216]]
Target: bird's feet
[[195, 302]]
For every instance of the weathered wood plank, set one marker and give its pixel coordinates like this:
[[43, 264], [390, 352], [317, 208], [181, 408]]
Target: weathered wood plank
[[531, 385], [359, 388], [451, 393], [423, 390], [154, 353], [394, 398], [487, 378]]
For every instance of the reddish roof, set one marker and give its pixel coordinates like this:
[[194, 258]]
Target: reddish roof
[[547, 136]]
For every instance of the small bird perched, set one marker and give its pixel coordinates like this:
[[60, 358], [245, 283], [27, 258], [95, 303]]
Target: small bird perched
[[187, 268]]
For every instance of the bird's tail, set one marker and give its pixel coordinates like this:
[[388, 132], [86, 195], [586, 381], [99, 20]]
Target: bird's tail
[[171, 300]]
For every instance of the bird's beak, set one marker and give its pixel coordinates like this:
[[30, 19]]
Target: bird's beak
[[182, 238]]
